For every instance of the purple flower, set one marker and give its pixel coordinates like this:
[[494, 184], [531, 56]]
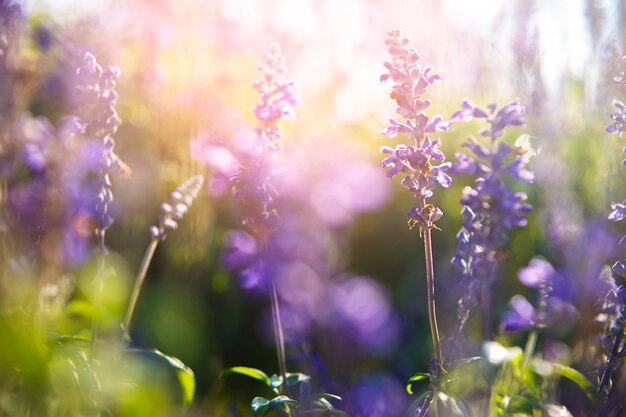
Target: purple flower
[[619, 119], [411, 82], [276, 96], [490, 208], [618, 210], [521, 317], [551, 309], [538, 272]]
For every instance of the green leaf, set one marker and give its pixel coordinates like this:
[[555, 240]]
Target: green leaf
[[456, 365], [326, 406], [556, 410], [550, 369], [251, 372], [328, 396], [294, 380], [419, 407], [517, 405], [258, 404], [186, 377], [453, 404], [263, 406], [580, 380], [420, 376]]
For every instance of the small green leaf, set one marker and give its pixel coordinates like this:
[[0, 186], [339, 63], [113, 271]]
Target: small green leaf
[[517, 405], [258, 405], [277, 402], [556, 410], [328, 396], [419, 407], [186, 377], [420, 376], [548, 369], [326, 406], [453, 404], [580, 380], [456, 365], [251, 372]]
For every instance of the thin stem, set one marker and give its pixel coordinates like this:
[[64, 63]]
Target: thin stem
[[608, 370], [141, 276], [529, 350], [430, 282], [101, 233], [485, 298], [279, 336]]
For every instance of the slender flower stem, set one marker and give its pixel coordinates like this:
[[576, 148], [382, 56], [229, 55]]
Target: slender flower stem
[[279, 336], [529, 350], [141, 276], [485, 302], [98, 290], [430, 281], [613, 360]]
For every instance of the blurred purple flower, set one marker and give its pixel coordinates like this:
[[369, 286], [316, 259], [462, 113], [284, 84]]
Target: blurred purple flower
[[360, 306], [521, 317], [618, 210], [276, 96], [619, 119], [377, 395], [411, 83], [551, 310], [537, 273]]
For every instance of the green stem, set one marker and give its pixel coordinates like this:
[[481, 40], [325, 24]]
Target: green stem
[[141, 276], [430, 282], [279, 336], [98, 290], [529, 350]]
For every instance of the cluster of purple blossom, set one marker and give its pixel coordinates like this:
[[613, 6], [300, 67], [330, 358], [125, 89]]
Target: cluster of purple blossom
[[417, 159], [490, 208]]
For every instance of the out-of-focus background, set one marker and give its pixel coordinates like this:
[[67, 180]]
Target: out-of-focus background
[[357, 319]]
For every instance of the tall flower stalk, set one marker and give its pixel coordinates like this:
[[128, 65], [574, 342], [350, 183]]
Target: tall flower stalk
[[614, 304], [252, 180], [171, 212], [97, 120], [490, 208], [416, 160]]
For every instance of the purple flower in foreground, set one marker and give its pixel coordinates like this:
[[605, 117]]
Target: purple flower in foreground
[[416, 160]]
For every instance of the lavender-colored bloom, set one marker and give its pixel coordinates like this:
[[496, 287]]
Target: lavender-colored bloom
[[98, 120], [618, 210], [253, 179], [619, 119], [415, 160], [551, 309], [276, 96], [377, 395], [490, 208], [176, 206], [538, 272]]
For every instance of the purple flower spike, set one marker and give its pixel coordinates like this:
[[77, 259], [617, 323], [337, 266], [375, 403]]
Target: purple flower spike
[[491, 209], [416, 160]]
